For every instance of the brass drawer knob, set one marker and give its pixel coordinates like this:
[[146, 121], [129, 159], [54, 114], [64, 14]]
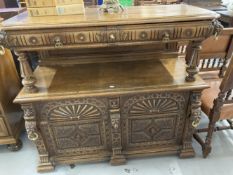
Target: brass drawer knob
[[58, 42]]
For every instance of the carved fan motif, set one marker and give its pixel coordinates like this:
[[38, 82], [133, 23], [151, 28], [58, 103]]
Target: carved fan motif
[[75, 111], [151, 106]]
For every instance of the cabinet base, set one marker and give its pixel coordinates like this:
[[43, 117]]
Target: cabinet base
[[187, 153], [48, 167], [118, 160]]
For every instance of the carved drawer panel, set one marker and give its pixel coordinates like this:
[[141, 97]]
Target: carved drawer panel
[[153, 119], [62, 38], [75, 126], [3, 128]]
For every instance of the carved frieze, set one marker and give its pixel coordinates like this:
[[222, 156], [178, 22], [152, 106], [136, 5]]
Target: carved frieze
[[110, 34]]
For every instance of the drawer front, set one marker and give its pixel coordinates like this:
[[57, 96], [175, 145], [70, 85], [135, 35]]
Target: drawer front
[[153, 119], [107, 36], [3, 128], [75, 127]]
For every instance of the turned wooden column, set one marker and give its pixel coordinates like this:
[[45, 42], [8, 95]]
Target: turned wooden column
[[192, 60], [28, 80]]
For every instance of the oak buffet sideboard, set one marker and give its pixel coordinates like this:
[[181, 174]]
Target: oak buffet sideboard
[[110, 86]]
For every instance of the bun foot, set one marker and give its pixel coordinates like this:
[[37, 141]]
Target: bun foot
[[15, 147]]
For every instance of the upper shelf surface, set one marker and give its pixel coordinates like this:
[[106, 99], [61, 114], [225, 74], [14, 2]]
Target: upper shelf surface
[[132, 15]]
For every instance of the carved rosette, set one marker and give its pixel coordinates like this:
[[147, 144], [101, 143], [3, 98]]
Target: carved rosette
[[114, 112], [35, 136]]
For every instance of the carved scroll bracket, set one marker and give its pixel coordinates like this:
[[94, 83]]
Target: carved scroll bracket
[[35, 136], [117, 157], [3, 39], [192, 60], [195, 115], [218, 27], [26, 73]]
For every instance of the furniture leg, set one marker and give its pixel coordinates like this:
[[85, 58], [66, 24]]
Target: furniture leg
[[214, 117], [26, 73], [16, 146], [192, 60], [34, 135]]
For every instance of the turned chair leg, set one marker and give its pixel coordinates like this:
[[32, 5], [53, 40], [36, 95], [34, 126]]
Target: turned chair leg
[[207, 146]]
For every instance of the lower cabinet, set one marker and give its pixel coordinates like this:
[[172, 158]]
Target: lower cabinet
[[111, 128]]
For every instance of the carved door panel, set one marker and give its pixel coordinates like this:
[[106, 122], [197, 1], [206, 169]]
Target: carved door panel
[[76, 127], [153, 119]]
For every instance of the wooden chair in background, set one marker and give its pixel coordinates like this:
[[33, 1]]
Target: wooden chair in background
[[217, 101], [215, 54]]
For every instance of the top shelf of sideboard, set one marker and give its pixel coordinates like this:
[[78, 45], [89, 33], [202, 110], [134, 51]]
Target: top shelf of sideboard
[[132, 15]]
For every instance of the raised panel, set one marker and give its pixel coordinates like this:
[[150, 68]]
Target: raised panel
[[78, 135], [152, 129], [3, 128]]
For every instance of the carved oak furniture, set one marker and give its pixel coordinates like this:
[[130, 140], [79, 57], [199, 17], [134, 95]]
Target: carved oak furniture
[[108, 87]]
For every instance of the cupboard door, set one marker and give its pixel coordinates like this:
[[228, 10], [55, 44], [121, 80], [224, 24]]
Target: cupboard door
[[76, 127], [153, 119], [3, 128]]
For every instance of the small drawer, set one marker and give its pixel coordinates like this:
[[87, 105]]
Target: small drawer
[[3, 128]]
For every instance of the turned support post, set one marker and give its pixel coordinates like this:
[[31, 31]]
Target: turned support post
[[28, 80], [192, 60]]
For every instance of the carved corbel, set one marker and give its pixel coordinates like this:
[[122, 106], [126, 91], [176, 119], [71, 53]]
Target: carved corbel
[[217, 28], [191, 123], [35, 136], [3, 39], [195, 116], [26, 73]]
